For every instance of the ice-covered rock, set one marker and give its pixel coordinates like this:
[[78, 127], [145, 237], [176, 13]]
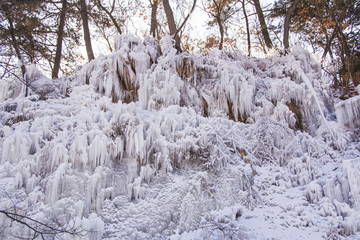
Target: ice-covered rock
[[152, 144], [348, 112]]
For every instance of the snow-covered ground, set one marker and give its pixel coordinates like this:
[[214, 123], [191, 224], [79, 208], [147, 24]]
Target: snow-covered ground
[[149, 144]]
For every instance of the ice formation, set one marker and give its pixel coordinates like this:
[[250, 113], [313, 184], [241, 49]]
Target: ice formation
[[348, 112], [148, 144]]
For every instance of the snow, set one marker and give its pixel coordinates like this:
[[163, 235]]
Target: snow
[[150, 144]]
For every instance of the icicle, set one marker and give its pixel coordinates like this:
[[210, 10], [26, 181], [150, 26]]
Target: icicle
[[146, 173], [78, 152], [18, 180], [353, 175], [97, 152], [59, 155], [283, 114], [246, 98], [117, 149], [95, 192], [314, 192], [135, 191], [53, 187], [142, 61], [309, 85], [94, 227], [16, 147], [348, 112], [9, 88]]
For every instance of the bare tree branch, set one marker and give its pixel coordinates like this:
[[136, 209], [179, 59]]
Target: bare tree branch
[[30, 222], [186, 18], [102, 7]]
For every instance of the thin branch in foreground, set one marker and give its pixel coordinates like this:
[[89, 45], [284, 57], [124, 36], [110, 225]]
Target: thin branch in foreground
[[40, 228]]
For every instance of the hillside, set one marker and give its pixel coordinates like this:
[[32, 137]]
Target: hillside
[[146, 143]]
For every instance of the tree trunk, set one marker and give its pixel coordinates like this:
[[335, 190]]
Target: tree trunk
[[287, 24], [328, 44], [110, 15], [16, 47], [263, 25], [221, 28], [334, 33], [153, 24], [247, 28], [60, 35], [348, 62], [87, 37], [217, 16], [172, 25]]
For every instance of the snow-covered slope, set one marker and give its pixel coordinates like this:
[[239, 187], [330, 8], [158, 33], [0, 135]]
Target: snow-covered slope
[[148, 144]]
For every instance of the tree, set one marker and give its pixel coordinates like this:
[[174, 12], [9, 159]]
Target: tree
[[172, 25], [263, 25], [110, 17], [287, 24], [154, 4], [174, 31], [87, 37], [39, 33], [110, 14], [328, 26], [221, 11], [59, 42], [10, 32], [243, 3]]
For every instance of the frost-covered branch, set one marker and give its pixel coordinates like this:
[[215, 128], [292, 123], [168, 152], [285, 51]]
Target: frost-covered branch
[[39, 228]]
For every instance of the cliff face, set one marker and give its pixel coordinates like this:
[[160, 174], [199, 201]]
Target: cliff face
[[219, 84], [148, 144]]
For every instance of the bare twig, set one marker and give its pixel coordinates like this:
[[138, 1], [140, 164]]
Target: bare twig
[[187, 17], [29, 223]]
